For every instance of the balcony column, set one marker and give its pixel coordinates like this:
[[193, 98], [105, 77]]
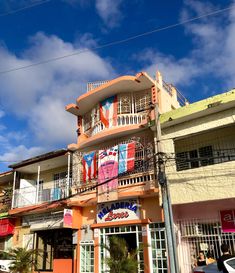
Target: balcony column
[[37, 187], [68, 174], [13, 191]]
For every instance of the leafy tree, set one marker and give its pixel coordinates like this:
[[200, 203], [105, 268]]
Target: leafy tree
[[120, 260], [22, 259]]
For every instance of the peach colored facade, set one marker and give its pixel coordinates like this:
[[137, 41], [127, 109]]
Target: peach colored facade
[[136, 97]]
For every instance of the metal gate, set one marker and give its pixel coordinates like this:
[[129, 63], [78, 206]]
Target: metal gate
[[200, 235]]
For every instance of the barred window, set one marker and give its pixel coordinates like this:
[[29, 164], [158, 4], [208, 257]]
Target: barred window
[[202, 156], [142, 101], [124, 103], [95, 115], [87, 121]]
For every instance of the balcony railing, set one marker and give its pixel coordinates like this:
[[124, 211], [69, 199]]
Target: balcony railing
[[29, 196], [122, 120], [93, 85], [148, 178]]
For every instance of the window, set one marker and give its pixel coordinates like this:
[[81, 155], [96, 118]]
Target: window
[[87, 121], [202, 156], [87, 258], [142, 101], [60, 179], [124, 103]]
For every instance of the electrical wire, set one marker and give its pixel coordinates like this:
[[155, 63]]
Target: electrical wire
[[117, 42], [24, 8]]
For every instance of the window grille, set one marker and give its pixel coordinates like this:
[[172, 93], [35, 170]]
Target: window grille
[[95, 115], [87, 121], [142, 100], [202, 156], [124, 103]]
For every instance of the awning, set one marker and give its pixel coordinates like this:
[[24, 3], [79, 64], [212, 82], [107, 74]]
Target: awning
[[50, 224], [6, 227]]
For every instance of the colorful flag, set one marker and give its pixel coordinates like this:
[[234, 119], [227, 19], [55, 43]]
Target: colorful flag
[[108, 174], [89, 166], [108, 111], [126, 157]]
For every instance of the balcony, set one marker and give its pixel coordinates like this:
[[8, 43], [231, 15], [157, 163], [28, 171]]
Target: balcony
[[142, 177], [122, 120], [33, 195]]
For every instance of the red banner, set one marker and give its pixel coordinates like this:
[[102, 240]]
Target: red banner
[[6, 227], [228, 220]]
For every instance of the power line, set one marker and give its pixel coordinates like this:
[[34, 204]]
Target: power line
[[117, 42], [24, 8]]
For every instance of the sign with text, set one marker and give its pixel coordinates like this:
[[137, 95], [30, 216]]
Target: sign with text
[[118, 211], [68, 218], [228, 220]]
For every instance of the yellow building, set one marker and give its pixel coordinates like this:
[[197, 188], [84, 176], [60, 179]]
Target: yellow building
[[199, 140]]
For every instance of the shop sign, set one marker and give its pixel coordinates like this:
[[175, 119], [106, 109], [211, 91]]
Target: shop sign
[[68, 218], [228, 220], [118, 211]]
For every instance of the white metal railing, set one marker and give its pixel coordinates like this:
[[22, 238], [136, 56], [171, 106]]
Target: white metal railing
[[93, 85], [32, 195], [122, 120]]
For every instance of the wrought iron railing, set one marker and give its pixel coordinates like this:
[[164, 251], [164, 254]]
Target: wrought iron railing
[[32, 195]]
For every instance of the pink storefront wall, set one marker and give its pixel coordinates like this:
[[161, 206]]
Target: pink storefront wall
[[202, 210]]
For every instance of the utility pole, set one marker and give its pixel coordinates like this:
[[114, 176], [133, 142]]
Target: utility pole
[[166, 202]]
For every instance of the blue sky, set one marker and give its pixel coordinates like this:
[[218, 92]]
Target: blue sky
[[198, 58]]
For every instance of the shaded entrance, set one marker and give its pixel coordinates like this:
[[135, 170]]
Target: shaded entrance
[[133, 237]]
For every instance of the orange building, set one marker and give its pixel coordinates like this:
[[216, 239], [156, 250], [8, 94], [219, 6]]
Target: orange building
[[115, 191]]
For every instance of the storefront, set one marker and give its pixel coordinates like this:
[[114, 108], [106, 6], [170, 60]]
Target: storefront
[[203, 228], [124, 218], [52, 235]]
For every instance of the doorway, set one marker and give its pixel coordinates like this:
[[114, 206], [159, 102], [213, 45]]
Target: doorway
[[133, 237]]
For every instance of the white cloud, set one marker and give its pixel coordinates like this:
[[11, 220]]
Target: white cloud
[[19, 153], [212, 52], [110, 12], [39, 94], [174, 71]]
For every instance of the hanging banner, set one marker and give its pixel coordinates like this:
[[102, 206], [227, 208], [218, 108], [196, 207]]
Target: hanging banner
[[108, 112], [227, 220], [68, 218], [108, 174], [126, 157], [118, 211], [89, 167]]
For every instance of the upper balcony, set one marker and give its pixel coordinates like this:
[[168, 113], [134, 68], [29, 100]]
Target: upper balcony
[[134, 97], [43, 178], [132, 109]]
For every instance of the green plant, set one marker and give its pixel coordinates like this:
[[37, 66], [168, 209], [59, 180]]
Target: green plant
[[120, 260], [22, 259]]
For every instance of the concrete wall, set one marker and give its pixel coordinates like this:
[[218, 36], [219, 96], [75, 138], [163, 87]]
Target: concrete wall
[[211, 182]]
